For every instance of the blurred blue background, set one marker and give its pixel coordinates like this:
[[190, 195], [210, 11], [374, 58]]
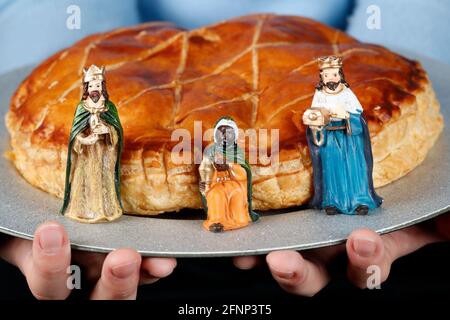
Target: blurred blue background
[[31, 30]]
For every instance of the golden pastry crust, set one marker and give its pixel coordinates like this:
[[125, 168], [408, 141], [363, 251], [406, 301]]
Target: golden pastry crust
[[259, 69]]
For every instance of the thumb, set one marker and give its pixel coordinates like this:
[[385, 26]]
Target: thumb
[[43, 261], [366, 248]]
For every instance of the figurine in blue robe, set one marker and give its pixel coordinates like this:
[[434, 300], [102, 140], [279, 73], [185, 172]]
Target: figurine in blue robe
[[339, 144]]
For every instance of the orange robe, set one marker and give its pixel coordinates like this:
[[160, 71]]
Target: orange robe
[[227, 199]]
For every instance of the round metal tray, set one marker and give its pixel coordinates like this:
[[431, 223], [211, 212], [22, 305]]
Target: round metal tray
[[422, 194]]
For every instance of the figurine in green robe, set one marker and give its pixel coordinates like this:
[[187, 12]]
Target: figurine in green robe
[[92, 188], [226, 181]]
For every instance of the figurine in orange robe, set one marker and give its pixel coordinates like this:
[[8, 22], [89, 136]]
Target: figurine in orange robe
[[226, 181]]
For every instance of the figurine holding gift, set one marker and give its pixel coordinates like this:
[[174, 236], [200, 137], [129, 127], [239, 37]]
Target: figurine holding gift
[[339, 144], [226, 181], [92, 189]]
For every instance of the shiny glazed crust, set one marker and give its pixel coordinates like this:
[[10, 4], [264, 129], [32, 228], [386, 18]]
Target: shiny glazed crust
[[259, 69]]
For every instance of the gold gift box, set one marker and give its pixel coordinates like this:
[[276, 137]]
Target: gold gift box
[[316, 117]]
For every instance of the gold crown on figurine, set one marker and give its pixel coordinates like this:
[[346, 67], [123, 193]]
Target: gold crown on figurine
[[94, 73], [329, 62]]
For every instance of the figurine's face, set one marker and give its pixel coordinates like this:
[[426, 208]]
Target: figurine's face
[[225, 135], [331, 78], [95, 89]]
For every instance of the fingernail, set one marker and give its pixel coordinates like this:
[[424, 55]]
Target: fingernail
[[283, 275], [124, 270], [364, 247], [51, 239]]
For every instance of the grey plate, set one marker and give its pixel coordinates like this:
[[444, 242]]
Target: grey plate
[[421, 195]]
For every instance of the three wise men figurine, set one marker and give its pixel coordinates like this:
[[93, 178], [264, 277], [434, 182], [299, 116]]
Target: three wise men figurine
[[92, 188], [226, 181], [339, 144]]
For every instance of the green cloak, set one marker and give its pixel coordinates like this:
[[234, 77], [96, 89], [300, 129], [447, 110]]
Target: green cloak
[[80, 123], [236, 155]]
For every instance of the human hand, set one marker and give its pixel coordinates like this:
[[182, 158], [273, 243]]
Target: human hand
[[45, 260], [306, 273]]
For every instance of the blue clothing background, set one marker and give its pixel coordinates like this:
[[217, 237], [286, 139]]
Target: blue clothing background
[[31, 30]]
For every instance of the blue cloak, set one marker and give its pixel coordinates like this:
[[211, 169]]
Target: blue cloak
[[342, 167]]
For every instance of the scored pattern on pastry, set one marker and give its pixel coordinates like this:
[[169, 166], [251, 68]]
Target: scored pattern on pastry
[[260, 69], [177, 85]]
